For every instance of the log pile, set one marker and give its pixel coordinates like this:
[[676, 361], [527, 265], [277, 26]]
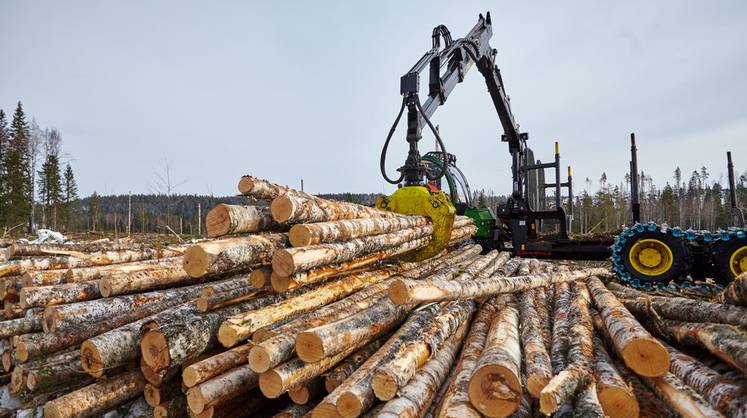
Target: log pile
[[301, 306]]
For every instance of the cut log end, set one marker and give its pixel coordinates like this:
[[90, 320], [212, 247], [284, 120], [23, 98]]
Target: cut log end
[[283, 263], [218, 221], [195, 400], [494, 391], [259, 359], [646, 357], [196, 261], [105, 287], [384, 386], [325, 410], [22, 351], [152, 395], [271, 384], [399, 293], [227, 336], [309, 347], [300, 395], [90, 359], [190, 377], [202, 305], [7, 360], [259, 278], [535, 384], [282, 209], [349, 405], [299, 235], [154, 348], [281, 284], [51, 410], [617, 402]]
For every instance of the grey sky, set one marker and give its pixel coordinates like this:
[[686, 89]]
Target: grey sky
[[286, 90]]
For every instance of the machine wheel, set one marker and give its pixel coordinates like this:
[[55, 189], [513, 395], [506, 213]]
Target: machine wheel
[[654, 256], [729, 259]]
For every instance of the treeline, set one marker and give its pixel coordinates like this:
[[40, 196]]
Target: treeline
[[35, 189]]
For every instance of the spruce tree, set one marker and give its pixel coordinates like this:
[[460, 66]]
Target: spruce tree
[[69, 197], [17, 176], [50, 189], [4, 138]]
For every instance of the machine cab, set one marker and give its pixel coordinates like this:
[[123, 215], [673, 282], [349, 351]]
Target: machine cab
[[453, 183]]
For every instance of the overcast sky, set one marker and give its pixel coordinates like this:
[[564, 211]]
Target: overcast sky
[[290, 90]]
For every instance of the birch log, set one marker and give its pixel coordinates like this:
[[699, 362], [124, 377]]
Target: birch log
[[231, 255], [681, 397], [44, 277], [286, 262], [495, 385], [160, 277], [587, 403], [303, 208], [96, 398], [19, 326], [538, 367], [208, 368], [302, 235], [225, 219], [736, 292], [615, 394], [418, 291], [342, 371], [43, 296], [221, 388], [640, 351]]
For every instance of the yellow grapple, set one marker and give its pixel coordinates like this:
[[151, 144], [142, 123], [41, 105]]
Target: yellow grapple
[[418, 200]]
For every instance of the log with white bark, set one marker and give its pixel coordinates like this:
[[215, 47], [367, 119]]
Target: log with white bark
[[355, 395], [120, 345], [288, 261], [43, 296], [227, 298], [232, 255], [55, 371], [414, 398], [643, 353], [188, 336], [302, 235], [36, 250], [24, 325], [736, 292], [342, 371], [294, 411], [494, 388], [587, 404], [159, 277], [84, 274], [578, 371], [262, 189], [240, 327], [615, 394], [96, 398], [298, 207], [44, 277], [417, 291], [725, 395], [13, 310], [681, 397], [455, 403], [225, 219], [538, 367], [210, 367], [222, 388], [682, 309], [393, 375], [650, 405]]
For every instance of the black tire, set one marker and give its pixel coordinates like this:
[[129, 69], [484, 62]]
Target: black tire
[[721, 254], [680, 257]]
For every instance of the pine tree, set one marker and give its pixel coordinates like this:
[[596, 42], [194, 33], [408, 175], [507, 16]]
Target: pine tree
[[69, 197], [17, 176]]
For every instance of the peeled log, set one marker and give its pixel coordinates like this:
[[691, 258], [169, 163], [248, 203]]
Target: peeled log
[[220, 389], [295, 372], [342, 371], [455, 403], [225, 219], [736, 292], [288, 261], [299, 207], [396, 373], [43, 296], [495, 386], [615, 394], [159, 277], [96, 398], [538, 368], [302, 235], [240, 327], [641, 352], [414, 398], [231, 254], [210, 367], [406, 291], [682, 309]]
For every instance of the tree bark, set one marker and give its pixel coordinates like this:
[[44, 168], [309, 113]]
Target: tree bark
[[294, 411], [43, 296], [342, 371], [538, 367], [38, 250], [406, 291], [19, 326], [227, 298], [302, 235], [85, 274], [210, 367], [587, 403], [286, 262], [44, 277], [495, 385], [96, 398], [298, 207], [53, 372], [104, 258], [393, 375], [239, 327], [414, 398], [736, 292], [682, 309], [543, 305], [225, 219], [231, 255], [221, 389], [681, 397], [640, 351], [455, 403], [615, 394], [159, 277]]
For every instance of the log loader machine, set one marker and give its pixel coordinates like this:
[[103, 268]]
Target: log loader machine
[[643, 255]]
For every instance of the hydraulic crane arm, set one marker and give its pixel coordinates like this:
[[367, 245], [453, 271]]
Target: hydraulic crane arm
[[447, 68]]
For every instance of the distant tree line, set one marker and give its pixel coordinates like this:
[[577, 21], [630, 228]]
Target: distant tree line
[[35, 189]]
